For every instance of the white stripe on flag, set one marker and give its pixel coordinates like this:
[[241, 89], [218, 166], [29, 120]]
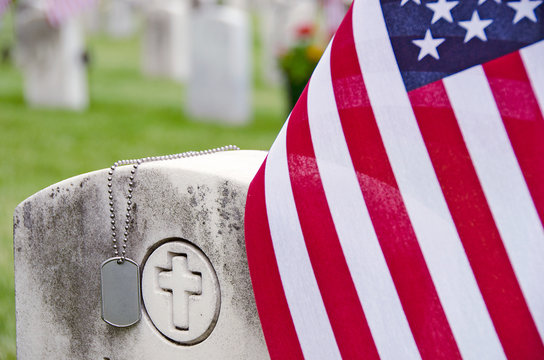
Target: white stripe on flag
[[533, 57], [362, 251], [301, 290], [502, 182], [443, 251]]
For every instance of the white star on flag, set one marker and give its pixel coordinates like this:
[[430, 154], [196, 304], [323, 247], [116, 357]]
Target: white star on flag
[[475, 27], [404, 2], [428, 45], [524, 9], [442, 10]]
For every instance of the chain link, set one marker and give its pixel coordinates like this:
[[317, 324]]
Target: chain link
[[135, 164]]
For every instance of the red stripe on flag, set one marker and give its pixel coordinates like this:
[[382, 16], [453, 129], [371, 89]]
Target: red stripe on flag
[[338, 292], [277, 324], [388, 213], [474, 222], [522, 118]]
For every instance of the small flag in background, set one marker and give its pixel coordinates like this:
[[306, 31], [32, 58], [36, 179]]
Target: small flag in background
[[399, 213], [59, 11], [4, 5]]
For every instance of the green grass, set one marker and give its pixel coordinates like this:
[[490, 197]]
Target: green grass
[[130, 116]]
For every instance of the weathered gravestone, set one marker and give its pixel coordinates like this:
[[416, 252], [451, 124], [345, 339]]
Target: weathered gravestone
[[271, 18], [120, 18], [220, 79], [187, 234], [279, 22], [93, 17], [165, 50], [240, 4], [51, 59]]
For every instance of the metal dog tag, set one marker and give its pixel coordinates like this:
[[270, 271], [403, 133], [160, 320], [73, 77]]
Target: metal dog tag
[[120, 286]]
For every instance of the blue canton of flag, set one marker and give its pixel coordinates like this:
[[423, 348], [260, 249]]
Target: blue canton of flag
[[434, 39]]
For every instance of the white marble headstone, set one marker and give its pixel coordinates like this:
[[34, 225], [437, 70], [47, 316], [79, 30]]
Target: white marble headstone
[[51, 59], [120, 18], [271, 18], [187, 234], [165, 43], [280, 20], [93, 17], [241, 4], [219, 85]]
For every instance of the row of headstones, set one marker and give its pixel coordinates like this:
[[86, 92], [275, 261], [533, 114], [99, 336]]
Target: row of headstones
[[208, 47]]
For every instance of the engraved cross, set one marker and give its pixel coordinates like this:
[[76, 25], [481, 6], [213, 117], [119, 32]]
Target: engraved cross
[[182, 283]]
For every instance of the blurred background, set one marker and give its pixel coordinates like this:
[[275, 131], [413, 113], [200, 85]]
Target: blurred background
[[84, 83]]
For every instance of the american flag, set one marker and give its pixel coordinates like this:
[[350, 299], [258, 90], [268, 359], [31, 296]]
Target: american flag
[[399, 213], [58, 11], [4, 5]]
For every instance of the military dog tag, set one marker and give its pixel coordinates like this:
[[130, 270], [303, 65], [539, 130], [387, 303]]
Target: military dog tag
[[120, 286]]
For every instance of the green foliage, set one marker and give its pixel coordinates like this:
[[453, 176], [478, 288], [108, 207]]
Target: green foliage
[[299, 61], [296, 64], [129, 117]]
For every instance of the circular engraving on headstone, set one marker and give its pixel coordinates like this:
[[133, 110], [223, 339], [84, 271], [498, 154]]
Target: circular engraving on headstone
[[181, 292]]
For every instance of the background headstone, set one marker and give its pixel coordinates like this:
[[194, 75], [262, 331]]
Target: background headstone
[[188, 216], [279, 22], [241, 4], [51, 59], [270, 22], [93, 18], [120, 18], [219, 85], [165, 49]]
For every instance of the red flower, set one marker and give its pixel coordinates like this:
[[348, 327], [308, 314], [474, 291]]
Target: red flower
[[305, 30]]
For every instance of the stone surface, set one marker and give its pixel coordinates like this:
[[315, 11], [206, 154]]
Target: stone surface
[[93, 17], [219, 86], [51, 59], [194, 207], [279, 21], [165, 43], [179, 273], [120, 18]]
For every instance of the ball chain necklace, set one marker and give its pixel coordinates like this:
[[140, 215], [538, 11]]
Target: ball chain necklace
[[120, 276]]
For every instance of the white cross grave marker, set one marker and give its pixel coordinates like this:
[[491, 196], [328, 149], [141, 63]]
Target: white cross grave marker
[[182, 283]]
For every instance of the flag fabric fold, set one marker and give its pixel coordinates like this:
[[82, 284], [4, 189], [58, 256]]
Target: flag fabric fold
[[59, 11], [4, 6], [399, 213]]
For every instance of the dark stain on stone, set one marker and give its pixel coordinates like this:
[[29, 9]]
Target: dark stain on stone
[[84, 182], [231, 201], [54, 192], [185, 213], [193, 201], [63, 247], [27, 215], [16, 223]]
